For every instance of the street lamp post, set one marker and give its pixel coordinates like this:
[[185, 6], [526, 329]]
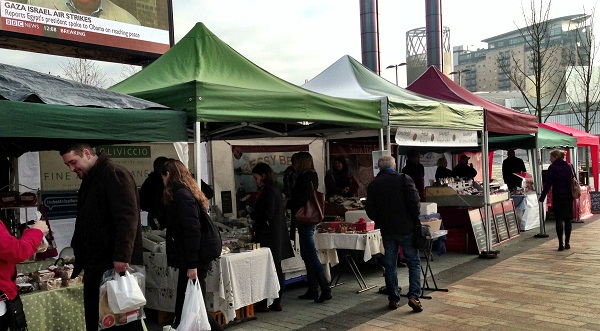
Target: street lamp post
[[396, 67], [459, 74]]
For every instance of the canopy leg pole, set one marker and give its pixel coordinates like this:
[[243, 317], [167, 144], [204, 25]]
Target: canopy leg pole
[[538, 190], [197, 156], [389, 138], [488, 253], [381, 142]]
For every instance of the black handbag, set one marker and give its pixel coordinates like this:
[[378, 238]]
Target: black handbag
[[14, 308]]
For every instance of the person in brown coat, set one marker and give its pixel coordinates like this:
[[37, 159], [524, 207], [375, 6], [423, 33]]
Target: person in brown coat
[[108, 229]]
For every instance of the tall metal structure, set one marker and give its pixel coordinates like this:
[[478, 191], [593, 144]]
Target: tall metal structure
[[369, 34], [416, 53], [433, 25]]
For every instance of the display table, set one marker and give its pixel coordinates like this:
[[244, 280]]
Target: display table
[[327, 243], [241, 279], [60, 309]]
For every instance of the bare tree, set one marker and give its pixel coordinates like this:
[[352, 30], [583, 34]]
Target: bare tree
[[583, 90], [539, 73], [129, 70], [84, 71]]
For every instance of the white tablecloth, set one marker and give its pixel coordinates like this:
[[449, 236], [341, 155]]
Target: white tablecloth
[[241, 279], [327, 243], [161, 282]]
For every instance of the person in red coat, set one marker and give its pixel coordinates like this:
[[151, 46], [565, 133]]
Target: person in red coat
[[13, 251]]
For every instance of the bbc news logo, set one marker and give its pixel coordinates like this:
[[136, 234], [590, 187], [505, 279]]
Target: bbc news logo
[[15, 23]]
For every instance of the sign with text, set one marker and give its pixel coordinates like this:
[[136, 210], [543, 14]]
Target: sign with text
[[60, 205], [138, 159], [137, 25], [435, 137]]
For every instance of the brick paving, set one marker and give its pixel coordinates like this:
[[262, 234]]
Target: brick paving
[[531, 286]]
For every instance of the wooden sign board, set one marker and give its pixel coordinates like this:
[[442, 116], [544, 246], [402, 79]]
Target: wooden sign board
[[478, 230], [494, 231], [511, 218], [500, 222], [595, 202]]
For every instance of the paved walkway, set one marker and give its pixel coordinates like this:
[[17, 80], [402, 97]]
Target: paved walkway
[[531, 286]]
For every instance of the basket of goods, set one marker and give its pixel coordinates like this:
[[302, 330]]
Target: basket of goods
[[9, 199], [28, 199]]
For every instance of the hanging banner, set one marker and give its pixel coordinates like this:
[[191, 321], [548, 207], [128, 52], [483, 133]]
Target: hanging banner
[[435, 137]]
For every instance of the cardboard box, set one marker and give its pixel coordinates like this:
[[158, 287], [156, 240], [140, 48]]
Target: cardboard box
[[433, 223], [366, 226], [428, 208]]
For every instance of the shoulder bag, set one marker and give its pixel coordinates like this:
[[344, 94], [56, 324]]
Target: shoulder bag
[[14, 308], [312, 212], [575, 188]]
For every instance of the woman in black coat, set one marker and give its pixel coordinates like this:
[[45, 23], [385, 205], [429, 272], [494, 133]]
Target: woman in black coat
[[558, 179], [270, 228], [185, 206]]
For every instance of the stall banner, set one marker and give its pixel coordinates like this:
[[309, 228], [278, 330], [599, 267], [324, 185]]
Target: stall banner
[[359, 158], [137, 158], [435, 137], [246, 157]]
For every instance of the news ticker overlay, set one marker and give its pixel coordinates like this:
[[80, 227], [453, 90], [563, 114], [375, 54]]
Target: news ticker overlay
[[38, 21]]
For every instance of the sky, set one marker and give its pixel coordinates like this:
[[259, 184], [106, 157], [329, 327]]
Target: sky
[[296, 40]]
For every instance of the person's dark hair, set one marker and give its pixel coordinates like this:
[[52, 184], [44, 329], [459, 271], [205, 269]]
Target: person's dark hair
[[305, 162], [341, 159], [265, 170], [158, 163], [77, 148], [180, 176]]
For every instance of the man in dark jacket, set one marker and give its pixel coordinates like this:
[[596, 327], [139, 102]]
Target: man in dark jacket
[[108, 231], [151, 194], [393, 203], [512, 165]]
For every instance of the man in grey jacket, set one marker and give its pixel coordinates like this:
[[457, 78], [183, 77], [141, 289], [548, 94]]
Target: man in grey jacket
[[393, 203]]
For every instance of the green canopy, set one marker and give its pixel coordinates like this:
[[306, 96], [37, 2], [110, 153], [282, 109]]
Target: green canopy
[[546, 139], [217, 86], [42, 112], [401, 107]]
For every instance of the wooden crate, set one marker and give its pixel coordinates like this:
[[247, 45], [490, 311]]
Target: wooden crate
[[242, 314]]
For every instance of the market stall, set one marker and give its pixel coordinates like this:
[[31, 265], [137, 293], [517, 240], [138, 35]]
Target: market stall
[[497, 120]]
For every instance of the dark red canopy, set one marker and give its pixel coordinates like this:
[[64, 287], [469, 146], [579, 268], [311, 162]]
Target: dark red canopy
[[497, 119]]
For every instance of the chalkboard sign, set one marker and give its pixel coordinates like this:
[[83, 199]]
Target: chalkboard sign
[[595, 202], [494, 232], [511, 220], [501, 224], [479, 234], [226, 202]]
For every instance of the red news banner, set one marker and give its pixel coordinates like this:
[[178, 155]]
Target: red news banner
[[38, 21]]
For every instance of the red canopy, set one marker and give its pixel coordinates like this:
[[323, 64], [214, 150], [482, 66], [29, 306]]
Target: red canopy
[[583, 139], [497, 119]]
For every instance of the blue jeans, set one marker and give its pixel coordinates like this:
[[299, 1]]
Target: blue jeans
[[413, 262], [308, 252]]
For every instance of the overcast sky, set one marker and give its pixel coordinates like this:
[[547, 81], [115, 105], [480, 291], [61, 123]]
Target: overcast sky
[[296, 40]]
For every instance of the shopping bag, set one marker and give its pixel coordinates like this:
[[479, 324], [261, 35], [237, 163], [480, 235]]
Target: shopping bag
[[124, 293], [575, 188], [421, 236], [312, 212], [193, 316]]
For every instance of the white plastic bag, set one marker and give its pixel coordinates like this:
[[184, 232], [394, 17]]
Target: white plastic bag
[[124, 293], [193, 315]]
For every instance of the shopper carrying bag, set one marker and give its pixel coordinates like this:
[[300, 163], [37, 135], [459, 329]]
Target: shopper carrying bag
[[194, 316]]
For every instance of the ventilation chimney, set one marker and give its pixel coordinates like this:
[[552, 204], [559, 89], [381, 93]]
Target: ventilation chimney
[[433, 26], [369, 34]]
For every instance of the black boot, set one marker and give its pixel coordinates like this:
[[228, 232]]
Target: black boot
[[309, 295], [276, 306], [325, 288]]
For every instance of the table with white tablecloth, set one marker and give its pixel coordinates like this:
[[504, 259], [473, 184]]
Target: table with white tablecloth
[[241, 279], [328, 243], [235, 281]]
